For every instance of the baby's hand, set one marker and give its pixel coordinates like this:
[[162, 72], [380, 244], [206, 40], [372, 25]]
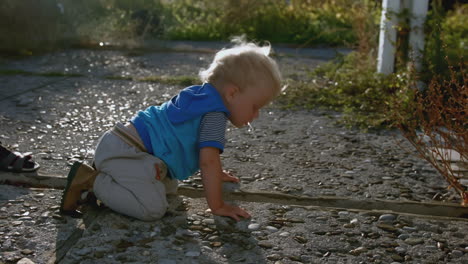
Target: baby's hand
[[231, 211], [227, 177]]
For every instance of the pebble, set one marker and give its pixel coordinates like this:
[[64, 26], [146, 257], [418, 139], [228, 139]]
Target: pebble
[[456, 253], [254, 227], [39, 195], [410, 229], [358, 251], [397, 257], [300, 239], [257, 233], [430, 248], [400, 250], [208, 221], [27, 251], [427, 235], [322, 218], [265, 244], [213, 238], [414, 241], [343, 213], [25, 261], [274, 257], [45, 214], [403, 236], [216, 244], [206, 249], [16, 223], [271, 229], [248, 179], [387, 218]]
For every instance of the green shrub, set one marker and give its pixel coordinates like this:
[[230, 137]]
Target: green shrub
[[350, 85], [455, 33], [44, 25], [302, 22], [29, 24], [446, 40]]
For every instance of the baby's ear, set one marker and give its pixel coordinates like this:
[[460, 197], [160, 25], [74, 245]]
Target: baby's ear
[[231, 90]]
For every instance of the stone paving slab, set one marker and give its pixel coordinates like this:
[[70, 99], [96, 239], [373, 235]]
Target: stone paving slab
[[213, 46], [182, 58], [16, 85], [235, 192]]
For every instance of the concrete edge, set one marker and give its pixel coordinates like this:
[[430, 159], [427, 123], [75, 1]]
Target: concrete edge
[[437, 209]]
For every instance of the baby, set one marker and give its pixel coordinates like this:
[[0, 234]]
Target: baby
[[137, 164]]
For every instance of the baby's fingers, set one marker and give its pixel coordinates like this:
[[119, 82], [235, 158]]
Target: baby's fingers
[[232, 179], [227, 177], [234, 212], [241, 212], [235, 217]]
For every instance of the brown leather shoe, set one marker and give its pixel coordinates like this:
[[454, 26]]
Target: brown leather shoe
[[80, 178]]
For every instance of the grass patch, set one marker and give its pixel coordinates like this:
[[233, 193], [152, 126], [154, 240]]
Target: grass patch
[[300, 22], [349, 85], [122, 78], [326, 22], [7, 72], [174, 80], [59, 74]]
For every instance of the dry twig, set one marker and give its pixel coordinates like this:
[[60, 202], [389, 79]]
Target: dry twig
[[437, 126]]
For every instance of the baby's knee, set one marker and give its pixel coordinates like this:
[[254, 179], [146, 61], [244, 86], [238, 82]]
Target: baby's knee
[[153, 212]]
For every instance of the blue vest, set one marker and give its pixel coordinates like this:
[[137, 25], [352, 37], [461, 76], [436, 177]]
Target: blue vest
[[171, 131]]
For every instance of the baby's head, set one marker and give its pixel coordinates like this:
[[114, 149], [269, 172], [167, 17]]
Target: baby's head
[[247, 70]]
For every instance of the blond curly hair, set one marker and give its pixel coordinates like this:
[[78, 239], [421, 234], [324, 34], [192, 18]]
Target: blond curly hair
[[246, 65]]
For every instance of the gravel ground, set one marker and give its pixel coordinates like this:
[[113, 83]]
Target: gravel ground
[[32, 229], [301, 152]]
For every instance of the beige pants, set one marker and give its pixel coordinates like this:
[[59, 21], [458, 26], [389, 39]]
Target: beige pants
[[131, 182]]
